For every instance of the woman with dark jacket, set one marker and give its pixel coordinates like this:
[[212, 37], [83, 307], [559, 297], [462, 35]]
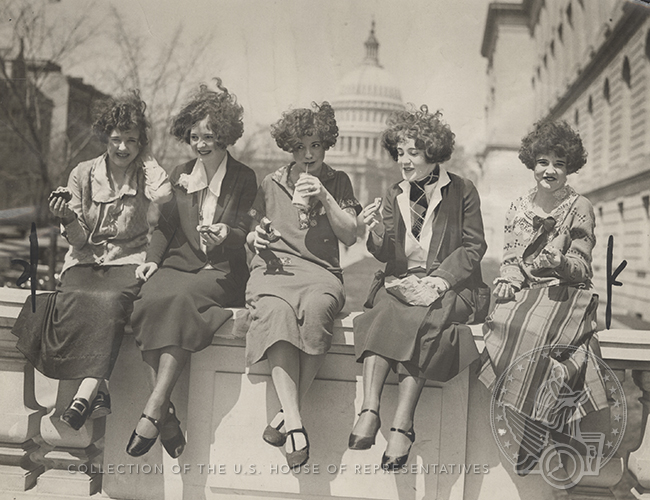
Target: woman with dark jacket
[[430, 235], [196, 262]]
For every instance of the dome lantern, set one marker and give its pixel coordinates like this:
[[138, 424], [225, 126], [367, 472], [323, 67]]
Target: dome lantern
[[372, 48]]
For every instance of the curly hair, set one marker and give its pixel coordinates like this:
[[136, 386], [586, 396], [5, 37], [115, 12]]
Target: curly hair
[[123, 113], [553, 137], [429, 132], [297, 123], [225, 115]]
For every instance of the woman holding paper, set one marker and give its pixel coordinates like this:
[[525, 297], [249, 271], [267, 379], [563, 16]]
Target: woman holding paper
[[429, 232], [296, 287]]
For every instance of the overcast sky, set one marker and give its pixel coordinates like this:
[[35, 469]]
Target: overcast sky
[[276, 54]]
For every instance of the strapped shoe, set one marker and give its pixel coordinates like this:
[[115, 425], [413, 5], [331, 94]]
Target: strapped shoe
[[396, 463], [101, 406], [296, 458], [356, 442], [139, 445], [171, 434], [273, 435], [76, 413]]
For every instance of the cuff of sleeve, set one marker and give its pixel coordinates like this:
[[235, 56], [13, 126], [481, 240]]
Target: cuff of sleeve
[[448, 277]]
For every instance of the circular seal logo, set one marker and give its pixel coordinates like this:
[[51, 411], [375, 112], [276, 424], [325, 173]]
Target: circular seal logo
[[541, 430]]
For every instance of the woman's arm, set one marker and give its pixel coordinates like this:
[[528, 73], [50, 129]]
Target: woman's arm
[[73, 226], [168, 223], [237, 235], [382, 245], [464, 260], [157, 187], [509, 270], [575, 264]]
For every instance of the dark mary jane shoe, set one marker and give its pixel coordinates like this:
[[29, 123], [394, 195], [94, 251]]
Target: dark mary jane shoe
[[101, 406], [76, 413], [139, 445], [273, 435], [171, 434], [356, 442], [297, 458], [396, 463]]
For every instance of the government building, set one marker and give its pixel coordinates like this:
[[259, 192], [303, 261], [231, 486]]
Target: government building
[[586, 62]]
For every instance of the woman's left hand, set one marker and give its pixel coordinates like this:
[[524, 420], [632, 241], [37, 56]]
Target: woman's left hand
[[310, 185], [549, 258], [213, 235]]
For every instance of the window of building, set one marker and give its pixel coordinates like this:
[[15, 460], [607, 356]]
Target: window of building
[[553, 48], [647, 45], [606, 90], [560, 32], [576, 117], [545, 59], [539, 73], [532, 80], [626, 72], [590, 105], [569, 14]]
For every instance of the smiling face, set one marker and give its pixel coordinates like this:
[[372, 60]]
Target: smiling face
[[411, 160], [203, 140], [309, 154], [550, 172], [123, 147]]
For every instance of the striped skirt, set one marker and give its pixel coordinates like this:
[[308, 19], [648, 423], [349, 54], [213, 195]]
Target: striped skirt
[[544, 342]]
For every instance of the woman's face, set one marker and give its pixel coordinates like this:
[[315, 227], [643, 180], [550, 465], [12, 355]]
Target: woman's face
[[123, 147], [203, 140], [550, 172], [309, 153], [412, 161]]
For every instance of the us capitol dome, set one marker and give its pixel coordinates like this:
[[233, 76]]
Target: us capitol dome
[[365, 98]]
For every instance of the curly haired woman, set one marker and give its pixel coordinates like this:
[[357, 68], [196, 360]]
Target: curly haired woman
[[296, 286], [196, 263], [430, 235], [544, 309], [77, 331]]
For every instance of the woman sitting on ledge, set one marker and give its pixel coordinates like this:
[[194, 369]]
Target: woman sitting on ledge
[[199, 247], [77, 331], [430, 235], [545, 309], [296, 287]]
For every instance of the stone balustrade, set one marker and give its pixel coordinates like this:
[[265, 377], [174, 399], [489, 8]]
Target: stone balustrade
[[223, 408]]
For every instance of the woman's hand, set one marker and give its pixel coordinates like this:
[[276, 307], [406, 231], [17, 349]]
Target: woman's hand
[[262, 239], [549, 258], [504, 291], [61, 209], [145, 271], [213, 235], [372, 217], [310, 185], [436, 282]]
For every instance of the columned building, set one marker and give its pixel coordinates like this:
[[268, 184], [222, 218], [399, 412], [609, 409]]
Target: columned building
[[365, 98], [586, 62]]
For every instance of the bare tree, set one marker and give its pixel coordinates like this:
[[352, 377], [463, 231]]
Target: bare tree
[[162, 74]]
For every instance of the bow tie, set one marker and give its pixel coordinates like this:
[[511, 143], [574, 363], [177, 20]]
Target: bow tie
[[548, 223]]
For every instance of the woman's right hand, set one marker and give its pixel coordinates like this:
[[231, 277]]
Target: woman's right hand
[[262, 239], [372, 217], [145, 271], [504, 291], [61, 209]]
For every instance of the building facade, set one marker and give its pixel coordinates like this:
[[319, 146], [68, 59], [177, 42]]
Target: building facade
[[586, 62]]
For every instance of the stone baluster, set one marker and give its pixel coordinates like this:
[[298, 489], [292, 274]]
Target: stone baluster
[[639, 460], [20, 415]]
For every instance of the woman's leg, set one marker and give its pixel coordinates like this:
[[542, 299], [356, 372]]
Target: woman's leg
[[375, 371], [88, 389], [167, 368], [292, 372], [409, 391]]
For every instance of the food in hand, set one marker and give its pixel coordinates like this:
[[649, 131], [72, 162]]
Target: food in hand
[[60, 193]]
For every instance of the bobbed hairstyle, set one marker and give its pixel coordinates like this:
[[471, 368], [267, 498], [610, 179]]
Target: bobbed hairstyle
[[297, 123], [225, 115], [428, 131], [122, 113], [553, 137]]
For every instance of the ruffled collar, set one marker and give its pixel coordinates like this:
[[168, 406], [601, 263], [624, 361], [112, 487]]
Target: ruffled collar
[[103, 190]]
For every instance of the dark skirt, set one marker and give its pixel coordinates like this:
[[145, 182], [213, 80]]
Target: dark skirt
[[553, 329], [429, 342], [183, 309], [297, 304], [76, 332]]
